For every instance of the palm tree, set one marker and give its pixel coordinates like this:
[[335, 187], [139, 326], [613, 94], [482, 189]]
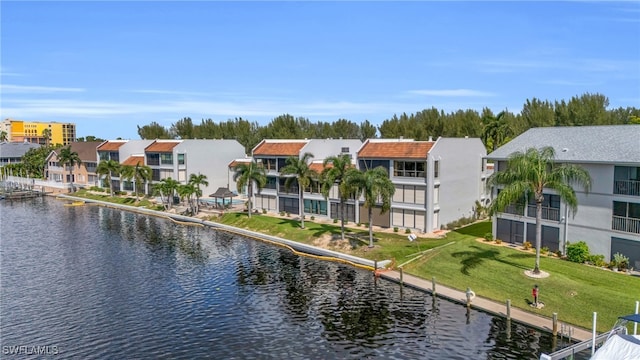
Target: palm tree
[[299, 167], [335, 174], [69, 158], [246, 174], [166, 188], [495, 129], [196, 181], [4, 136], [186, 192], [528, 174], [375, 185], [142, 175], [46, 134], [108, 168]]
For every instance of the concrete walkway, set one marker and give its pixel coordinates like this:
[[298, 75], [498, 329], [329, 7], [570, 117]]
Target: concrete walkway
[[478, 303], [489, 306]]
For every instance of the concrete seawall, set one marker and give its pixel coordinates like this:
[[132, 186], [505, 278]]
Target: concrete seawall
[[479, 303]]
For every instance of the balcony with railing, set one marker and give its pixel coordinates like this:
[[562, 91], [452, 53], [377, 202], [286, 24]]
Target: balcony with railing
[[514, 209], [626, 187], [630, 225], [548, 213]]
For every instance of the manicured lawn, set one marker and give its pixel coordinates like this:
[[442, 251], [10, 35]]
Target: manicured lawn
[[118, 199], [573, 291], [389, 246]]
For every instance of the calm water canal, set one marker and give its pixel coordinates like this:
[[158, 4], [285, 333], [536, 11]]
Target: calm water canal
[[87, 282]]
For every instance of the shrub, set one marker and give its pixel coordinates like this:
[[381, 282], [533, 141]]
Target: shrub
[[335, 221], [488, 236], [281, 213], [395, 229], [288, 214], [544, 250], [264, 211], [596, 260], [526, 245], [313, 217], [498, 241], [578, 252], [407, 231], [621, 261]]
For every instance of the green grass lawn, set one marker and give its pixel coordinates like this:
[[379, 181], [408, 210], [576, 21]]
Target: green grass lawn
[[573, 291], [131, 201]]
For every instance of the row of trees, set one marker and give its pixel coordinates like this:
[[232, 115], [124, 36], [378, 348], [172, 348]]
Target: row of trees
[[494, 129], [528, 174], [167, 188], [373, 185]]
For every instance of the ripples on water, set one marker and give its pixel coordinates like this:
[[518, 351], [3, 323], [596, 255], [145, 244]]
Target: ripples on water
[[102, 283]]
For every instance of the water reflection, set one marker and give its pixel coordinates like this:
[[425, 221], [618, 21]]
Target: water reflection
[[124, 285]]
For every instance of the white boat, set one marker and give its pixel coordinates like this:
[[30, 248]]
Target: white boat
[[620, 345]]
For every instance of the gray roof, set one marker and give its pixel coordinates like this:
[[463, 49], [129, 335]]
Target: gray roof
[[606, 144], [15, 149]]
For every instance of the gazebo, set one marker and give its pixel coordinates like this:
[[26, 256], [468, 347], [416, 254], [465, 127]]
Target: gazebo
[[223, 193]]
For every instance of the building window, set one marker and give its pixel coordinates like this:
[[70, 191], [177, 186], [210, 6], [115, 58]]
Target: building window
[[166, 159], [550, 207], [180, 159], [408, 168], [626, 217], [153, 159], [271, 183], [436, 169], [315, 207], [268, 164], [344, 150], [626, 180]]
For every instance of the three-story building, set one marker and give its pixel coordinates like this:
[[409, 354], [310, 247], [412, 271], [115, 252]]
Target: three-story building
[[608, 216]]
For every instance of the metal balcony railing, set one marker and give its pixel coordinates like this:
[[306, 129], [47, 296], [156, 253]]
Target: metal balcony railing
[[548, 213], [625, 224], [626, 187]]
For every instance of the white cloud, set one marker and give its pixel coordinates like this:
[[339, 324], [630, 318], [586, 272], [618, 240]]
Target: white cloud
[[451, 92], [25, 89]]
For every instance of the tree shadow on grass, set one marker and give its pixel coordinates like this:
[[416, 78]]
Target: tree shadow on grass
[[477, 230], [476, 256]]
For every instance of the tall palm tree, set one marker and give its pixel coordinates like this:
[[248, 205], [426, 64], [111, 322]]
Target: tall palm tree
[[375, 186], [303, 174], [108, 168], [528, 174], [69, 158], [141, 175], [334, 172], [46, 134], [4, 136], [247, 174], [186, 192], [495, 129], [167, 188], [196, 181]]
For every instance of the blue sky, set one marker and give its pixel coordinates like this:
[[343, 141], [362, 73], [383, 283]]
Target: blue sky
[[109, 66]]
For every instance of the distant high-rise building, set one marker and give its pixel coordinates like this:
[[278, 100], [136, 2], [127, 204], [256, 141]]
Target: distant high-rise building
[[37, 132]]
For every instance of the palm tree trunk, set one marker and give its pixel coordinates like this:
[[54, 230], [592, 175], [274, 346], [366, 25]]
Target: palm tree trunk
[[110, 185], [342, 217], [70, 179], [250, 188], [536, 270], [370, 227], [301, 206]]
